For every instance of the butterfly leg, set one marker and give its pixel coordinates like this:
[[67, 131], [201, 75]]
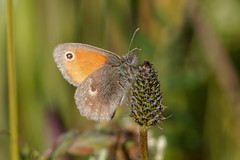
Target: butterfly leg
[[121, 86]]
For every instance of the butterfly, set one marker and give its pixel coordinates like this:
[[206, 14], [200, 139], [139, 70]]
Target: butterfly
[[102, 78]]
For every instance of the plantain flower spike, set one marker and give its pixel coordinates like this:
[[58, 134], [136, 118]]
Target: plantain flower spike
[[146, 107]]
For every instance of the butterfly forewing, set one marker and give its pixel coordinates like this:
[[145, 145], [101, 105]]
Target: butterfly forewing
[[77, 61]]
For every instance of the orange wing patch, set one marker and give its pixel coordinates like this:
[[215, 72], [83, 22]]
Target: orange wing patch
[[84, 63]]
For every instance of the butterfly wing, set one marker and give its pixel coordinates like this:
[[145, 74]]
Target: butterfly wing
[[77, 61], [99, 95], [101, 89]]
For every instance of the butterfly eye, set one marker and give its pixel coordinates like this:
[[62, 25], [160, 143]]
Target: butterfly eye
[[129, 60], [69, 56]]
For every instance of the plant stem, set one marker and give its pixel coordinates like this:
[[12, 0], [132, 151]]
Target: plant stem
[[143, 142], [12, 86]]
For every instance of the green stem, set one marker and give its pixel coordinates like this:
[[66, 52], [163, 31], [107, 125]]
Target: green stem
[[143, 142], [12, 86]]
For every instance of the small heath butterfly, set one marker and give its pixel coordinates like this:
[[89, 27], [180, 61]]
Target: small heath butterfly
[[102, 78]]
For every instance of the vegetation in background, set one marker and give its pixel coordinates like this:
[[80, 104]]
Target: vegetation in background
[[12, 94], [195, 48]]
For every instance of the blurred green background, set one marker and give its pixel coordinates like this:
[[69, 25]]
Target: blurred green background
[[196, 54]]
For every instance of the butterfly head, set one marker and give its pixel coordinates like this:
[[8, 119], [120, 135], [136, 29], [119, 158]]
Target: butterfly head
[[131, 58]]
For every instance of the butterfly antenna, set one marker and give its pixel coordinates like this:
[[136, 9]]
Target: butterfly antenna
[[137, 48], [132, 40]]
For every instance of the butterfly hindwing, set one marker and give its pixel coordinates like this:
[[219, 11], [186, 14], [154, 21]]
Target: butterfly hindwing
[[99, 95]]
